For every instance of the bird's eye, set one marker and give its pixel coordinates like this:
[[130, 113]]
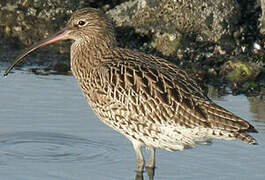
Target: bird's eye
[[81, 23]]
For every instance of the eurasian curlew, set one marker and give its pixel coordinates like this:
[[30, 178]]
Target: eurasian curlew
[[147, 99]]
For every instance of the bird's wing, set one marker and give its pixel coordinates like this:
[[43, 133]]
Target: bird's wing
[[166, 92]]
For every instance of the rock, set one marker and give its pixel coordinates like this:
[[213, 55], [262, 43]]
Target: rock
[[61, 67], [27, 21], [239, 72], [262, 19], [170, 22], [24, 22]]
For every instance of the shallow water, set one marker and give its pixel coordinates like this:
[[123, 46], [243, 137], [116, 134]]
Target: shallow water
[[48, 132]]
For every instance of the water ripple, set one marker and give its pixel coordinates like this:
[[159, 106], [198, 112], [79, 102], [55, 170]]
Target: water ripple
[[49, 147]]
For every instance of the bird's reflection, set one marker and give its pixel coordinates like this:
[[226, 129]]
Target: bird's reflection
[[150, 172]]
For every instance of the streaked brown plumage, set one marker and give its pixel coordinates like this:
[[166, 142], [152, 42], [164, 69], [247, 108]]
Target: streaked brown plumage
[[147, 99]]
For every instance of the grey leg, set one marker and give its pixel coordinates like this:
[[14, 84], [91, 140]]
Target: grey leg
[[139, 176], [151, 173], [139, 157], [151, 162]]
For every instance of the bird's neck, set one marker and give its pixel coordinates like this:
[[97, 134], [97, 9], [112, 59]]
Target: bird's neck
[[86, 56]]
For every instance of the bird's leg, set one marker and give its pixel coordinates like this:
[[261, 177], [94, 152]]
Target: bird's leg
[[139, 176], [139, 157], [151, 162], [151, 173]]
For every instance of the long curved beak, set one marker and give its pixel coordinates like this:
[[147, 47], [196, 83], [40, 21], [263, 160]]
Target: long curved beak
[[59, 36]]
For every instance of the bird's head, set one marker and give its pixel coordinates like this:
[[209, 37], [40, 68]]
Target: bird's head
[[89, 26]]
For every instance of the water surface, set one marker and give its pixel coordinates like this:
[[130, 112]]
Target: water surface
[[48, 132]]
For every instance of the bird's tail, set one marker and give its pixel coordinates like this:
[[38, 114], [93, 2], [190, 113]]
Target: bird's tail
[[245, 138]]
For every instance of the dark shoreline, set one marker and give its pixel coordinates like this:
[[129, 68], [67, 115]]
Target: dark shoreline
[[237, 62]]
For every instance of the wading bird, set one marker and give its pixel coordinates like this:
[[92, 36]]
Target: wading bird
[[147, 99]]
